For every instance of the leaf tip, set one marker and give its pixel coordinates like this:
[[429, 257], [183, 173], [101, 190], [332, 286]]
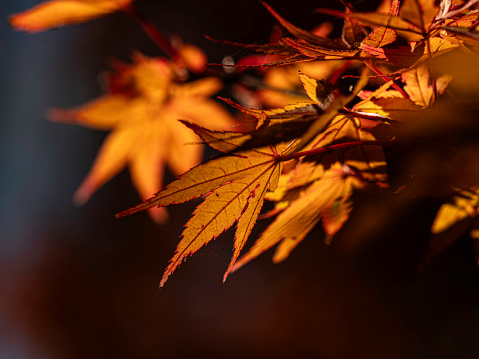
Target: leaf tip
[[159, 215], [15, 21], [61, 116], [163, 280], [228, 271], [85, 191], [80, 198]]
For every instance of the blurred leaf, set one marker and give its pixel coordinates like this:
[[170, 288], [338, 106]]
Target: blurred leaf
[[142, 113], [59, 13]]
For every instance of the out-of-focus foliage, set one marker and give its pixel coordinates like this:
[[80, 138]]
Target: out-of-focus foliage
[[142, 108], [57, 13]]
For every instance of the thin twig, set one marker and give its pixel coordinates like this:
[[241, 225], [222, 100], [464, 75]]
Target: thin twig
[[385, 78], [152, 31]]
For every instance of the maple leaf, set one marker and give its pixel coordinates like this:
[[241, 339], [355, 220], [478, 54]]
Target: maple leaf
[[326, 199], [320, 95], [387, 103], [306, 35], [374, 19], [319, 188], [463, 205], [352, 32], [142, 111], [235, 187], [453, 219], [309, 118], [418, 85], [419, 12], [382, 36], [414, 54], [283, 86], [58, 13], [299, 218]]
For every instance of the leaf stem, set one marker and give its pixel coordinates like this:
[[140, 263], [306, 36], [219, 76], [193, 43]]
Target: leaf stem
[[337, 146], [432, 77], [152, 31], [385, 78]]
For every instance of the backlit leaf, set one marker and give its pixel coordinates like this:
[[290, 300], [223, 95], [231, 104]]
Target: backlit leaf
[[381, 35], [453, 220], [235, 192], [142, 111], [305, 35], [320, 200], [373, 19], [203, 179], [464, 205], [419, 88], [419, 12], [308, 49], [58, 13]]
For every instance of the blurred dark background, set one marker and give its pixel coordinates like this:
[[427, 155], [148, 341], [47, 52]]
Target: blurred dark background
[[76, 283]]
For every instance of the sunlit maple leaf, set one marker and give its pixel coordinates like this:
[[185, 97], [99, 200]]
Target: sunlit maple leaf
[[235, 187], [58, 13], [453, 220], [283, 86], [414, 53], [317, 95], [142, 111], [306, 35], [387, 103], [326, 199], [419, 12], [382, 36], [320, 187], [418, 85], [463, 205], [374, 19]]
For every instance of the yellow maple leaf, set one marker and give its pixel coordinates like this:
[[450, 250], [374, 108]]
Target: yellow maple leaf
[[418, 85], [142, 111], [284, 86], [453, 220], [58, 13], [464, 205], [388, 103]]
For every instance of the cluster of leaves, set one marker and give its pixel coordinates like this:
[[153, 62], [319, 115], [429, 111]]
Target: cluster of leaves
[[313, 144]]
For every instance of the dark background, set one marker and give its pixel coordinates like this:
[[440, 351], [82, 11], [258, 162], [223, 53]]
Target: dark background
[[76, 283]]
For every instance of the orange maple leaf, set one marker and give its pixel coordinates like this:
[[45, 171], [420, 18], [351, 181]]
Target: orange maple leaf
[[382, 36], [235, 187], [142, 111], [326, 199], [58, 13], [312, 192]]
